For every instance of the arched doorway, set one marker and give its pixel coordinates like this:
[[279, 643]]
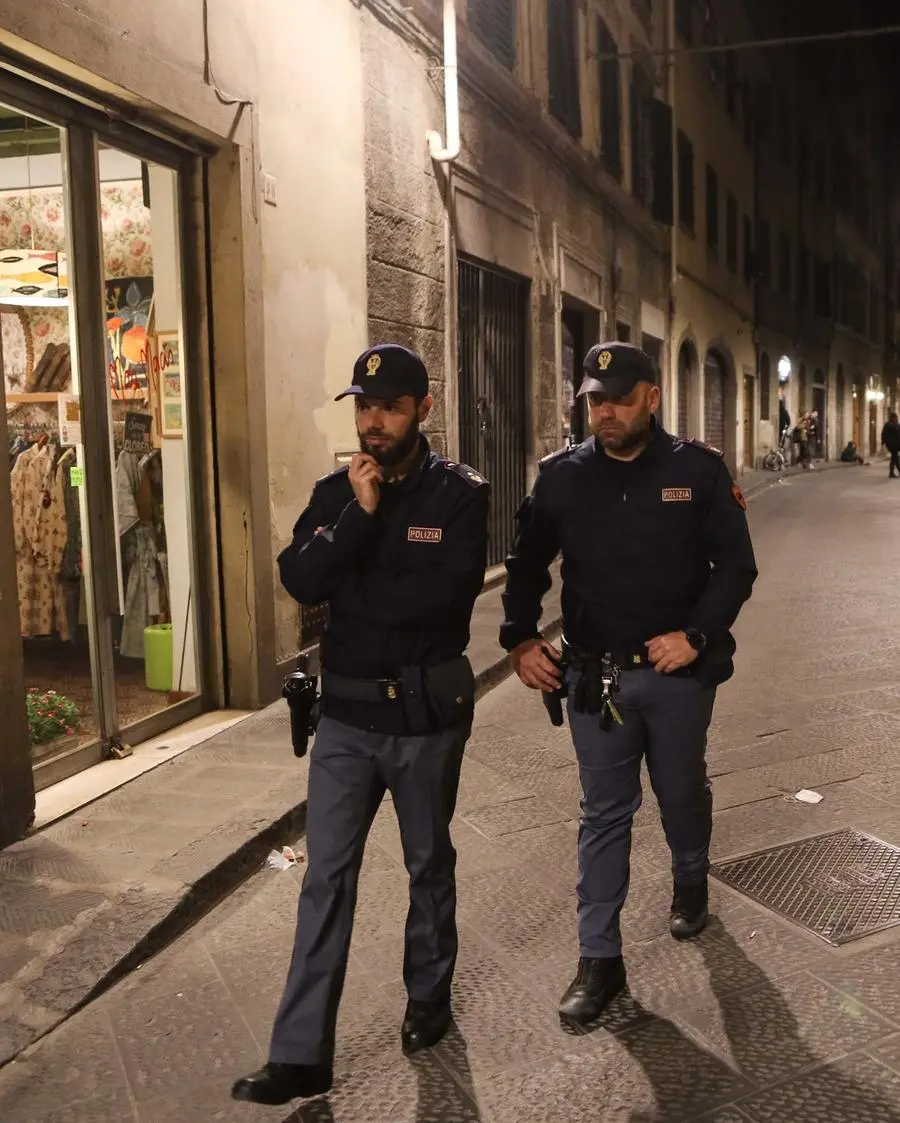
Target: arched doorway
[[765, 387], [819, 405], [859, 394], [714, 376], [687, 375]]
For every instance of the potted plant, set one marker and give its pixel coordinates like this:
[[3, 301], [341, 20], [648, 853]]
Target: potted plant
[[52, 719]]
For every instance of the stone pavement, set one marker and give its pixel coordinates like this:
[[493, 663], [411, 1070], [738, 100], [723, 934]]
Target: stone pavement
[[754, 1022], [85, 900]]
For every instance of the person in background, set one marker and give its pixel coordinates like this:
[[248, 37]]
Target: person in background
[[850, 455], [890, 438]]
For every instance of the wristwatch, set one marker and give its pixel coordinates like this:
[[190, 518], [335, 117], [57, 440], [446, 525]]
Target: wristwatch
[[695, 638]]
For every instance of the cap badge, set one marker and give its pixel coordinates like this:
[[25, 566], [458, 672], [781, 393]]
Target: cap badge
[[373, 364], [604, 359]]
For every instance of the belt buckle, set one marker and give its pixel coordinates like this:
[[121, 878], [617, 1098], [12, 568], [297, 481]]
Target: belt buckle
[[390, 689]]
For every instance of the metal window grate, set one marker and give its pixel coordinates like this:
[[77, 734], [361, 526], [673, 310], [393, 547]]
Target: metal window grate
[[493, 379], [839, 886], [493, 22]]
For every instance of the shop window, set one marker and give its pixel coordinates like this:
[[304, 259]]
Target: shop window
[[563, 64], [610, 86], [731, 233], [712, 209], [686, 214], [493, 22], [100, 396]]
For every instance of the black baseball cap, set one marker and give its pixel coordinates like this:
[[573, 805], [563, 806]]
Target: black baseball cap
[[615, 369], [388, 372]]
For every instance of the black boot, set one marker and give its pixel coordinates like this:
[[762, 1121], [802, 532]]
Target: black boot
[[690, 911], [424, 1024], [597, 983], [277, 1084]]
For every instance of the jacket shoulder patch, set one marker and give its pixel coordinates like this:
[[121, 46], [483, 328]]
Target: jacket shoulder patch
[[336, 475], [555, 457], [472, 478], [703, 446]]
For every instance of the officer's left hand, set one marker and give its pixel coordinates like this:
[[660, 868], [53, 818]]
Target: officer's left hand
[[670, 652]]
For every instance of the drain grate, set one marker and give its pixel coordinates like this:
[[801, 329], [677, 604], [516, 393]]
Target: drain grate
[[839, 886]]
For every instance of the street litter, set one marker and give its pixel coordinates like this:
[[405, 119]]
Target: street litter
[[283, 859], [807, 796]]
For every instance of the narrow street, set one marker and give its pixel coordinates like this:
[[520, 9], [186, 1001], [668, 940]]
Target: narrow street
[[756, 1021]]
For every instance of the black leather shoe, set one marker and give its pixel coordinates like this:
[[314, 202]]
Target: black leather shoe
[[690, 911], [424, 1025], [597, 983], [276, 1084]]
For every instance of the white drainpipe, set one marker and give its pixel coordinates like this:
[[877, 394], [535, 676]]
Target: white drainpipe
[[439, 153]]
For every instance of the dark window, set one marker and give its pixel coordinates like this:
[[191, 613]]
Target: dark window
[[651, 151], [785, 131], [685, 181], [749, 263], [765, 388], [610, 83], [749, 115], [731, 233], [822, 291], [493, 23], [712, 209], [563, 64], [763, 111], [821, 173], [764, 251], [803, 285], [803, 158], [684, 20], [731, 84], [623, 332], [784, 264]]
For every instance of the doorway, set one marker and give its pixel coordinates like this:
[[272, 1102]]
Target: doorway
[[493, 388], [819, 402], [858, 415], [686, 375], [714, 401], [652, 347], [97, 395], [580, 331], [749, 425]]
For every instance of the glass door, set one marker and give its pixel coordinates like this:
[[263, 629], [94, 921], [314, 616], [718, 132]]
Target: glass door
[[153, 630], [92, 356], [41, 381]]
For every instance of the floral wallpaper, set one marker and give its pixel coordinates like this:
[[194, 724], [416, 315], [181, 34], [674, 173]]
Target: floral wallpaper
[[128, 252], [127, 241]]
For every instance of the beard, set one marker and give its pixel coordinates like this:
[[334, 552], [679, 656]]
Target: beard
[[622, 439], [390, 455]]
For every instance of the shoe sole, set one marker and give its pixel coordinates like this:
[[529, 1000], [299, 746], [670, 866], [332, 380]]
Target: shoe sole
[[578, 1023]]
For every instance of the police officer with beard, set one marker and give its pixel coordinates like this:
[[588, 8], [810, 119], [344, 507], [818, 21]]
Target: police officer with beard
[[397, 546], [656, 564]]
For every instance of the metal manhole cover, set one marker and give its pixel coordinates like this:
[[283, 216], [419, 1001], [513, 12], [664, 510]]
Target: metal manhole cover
[[839, 886]]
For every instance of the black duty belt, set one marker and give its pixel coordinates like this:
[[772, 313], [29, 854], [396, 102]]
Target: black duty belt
[[371, 690], [578, 658]]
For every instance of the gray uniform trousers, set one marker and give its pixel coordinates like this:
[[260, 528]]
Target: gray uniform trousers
[[665, 718], [349, 772]]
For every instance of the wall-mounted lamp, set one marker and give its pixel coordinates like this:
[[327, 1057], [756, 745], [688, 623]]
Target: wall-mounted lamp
[[784, 368]]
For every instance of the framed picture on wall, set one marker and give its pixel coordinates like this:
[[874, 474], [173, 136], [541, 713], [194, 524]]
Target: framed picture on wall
[[170, 387]]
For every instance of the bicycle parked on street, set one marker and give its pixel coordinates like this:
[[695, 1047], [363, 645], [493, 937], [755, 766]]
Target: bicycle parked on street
[[777, 459]]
